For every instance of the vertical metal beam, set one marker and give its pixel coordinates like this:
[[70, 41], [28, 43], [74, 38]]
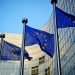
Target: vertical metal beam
[[24, 21], [2, 36], [56, 39]]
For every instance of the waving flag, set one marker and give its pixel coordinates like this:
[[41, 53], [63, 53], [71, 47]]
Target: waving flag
[[42, 38], [64, 19], [11, 52]]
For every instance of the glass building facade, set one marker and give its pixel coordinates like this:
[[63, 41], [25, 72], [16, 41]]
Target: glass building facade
[[67, 40], [42, 64]]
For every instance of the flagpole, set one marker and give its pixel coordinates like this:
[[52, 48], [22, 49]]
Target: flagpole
[[24, 21], [2, 36], [57, 52]]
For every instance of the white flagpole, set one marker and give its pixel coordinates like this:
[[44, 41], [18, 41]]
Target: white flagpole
[[24, 21], [57, 52]]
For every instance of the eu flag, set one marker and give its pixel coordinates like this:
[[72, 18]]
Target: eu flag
[[42, 38], [64, 19], [12, 52], [7, 53]]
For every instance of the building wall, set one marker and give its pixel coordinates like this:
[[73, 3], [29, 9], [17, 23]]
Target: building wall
[[14, 38], [66, 41], [10, 67], [40, 59]]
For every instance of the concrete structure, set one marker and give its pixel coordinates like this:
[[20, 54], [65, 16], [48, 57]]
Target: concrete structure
[[36, 66]]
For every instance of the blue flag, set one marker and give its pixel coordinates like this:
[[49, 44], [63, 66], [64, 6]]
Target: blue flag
[[64, 19], [12, 52], [42, 38]]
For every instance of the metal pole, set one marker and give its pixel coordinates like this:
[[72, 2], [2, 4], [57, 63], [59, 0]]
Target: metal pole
[[56, 39], [24, 21], [2, 36]]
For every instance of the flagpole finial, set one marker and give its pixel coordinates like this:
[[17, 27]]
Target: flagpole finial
[[25, 20], [2, 35], [54, 1]]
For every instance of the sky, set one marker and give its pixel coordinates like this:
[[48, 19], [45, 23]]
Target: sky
[[13, 11]]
